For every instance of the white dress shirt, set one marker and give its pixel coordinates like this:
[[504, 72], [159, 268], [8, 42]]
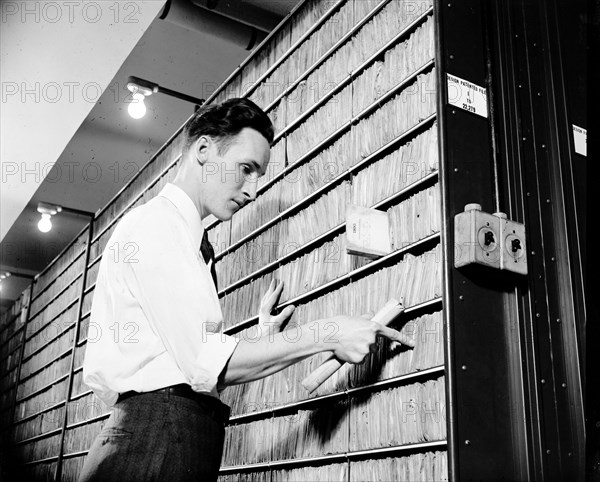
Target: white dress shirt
[[156, 319]]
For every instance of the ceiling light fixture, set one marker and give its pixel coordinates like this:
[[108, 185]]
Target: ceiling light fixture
[[14, 274], [3, 276], [141, 89], [49, 210], [137, 108]]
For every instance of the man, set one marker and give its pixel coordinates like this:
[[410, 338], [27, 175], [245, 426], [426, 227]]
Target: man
[[158, 355]]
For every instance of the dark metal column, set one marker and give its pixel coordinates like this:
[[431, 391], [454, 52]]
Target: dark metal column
[[486, 438]]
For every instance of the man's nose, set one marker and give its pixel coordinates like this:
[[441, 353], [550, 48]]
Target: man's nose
[[249, 188]]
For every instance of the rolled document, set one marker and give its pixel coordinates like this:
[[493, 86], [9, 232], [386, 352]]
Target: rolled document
[[384, 316]]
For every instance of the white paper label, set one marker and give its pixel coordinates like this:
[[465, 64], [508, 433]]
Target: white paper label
[[468, 96], [580, 140]]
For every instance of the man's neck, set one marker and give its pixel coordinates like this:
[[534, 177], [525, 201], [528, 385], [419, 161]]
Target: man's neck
[[193, 194]]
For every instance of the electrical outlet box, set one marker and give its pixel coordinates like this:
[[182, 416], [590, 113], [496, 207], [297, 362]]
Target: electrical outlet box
[[514, 252], [477, 238], [490, 240]]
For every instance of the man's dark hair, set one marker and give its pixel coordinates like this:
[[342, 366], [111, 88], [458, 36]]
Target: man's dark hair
[[224, 121]]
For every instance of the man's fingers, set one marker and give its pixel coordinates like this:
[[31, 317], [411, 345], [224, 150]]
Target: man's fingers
[[275, 295], [395, 335], [288, 311], [279, 288], [368, 315], [268, 293], [271, 287], [272, 295]]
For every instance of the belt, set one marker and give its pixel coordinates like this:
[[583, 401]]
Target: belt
[[212, 405]]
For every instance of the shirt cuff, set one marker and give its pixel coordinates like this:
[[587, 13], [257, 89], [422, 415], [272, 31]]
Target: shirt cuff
[[214, 354], [106, 395]]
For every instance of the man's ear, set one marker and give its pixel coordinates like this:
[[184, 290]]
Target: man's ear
[[200, 147]]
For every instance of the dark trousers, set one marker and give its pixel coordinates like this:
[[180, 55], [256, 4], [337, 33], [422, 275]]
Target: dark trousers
[[158, 437]]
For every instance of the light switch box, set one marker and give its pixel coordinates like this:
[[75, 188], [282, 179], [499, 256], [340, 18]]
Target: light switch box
[[514, 250], [489, 239], [477, 238]]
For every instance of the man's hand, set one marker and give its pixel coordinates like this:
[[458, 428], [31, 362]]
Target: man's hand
[[267, 324], [356, 337]]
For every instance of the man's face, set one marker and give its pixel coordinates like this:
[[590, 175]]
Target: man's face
[[229, 180]]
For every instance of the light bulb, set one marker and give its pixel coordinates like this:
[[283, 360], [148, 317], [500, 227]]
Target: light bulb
[[137, 108], [45, 224]]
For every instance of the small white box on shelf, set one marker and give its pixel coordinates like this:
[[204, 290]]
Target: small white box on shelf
[[367, 231]]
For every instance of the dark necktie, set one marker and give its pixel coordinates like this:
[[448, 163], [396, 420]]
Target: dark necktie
[[208, 254]]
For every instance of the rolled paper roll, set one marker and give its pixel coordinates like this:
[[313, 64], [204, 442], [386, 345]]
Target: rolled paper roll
[[385, 316]]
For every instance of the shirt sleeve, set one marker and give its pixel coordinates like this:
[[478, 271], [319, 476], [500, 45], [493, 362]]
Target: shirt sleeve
[[175, 291]]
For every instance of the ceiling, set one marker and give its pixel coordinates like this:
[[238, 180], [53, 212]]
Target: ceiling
[[191, 52]]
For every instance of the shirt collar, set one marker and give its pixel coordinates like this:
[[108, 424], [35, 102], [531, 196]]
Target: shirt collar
[[188, 210]]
